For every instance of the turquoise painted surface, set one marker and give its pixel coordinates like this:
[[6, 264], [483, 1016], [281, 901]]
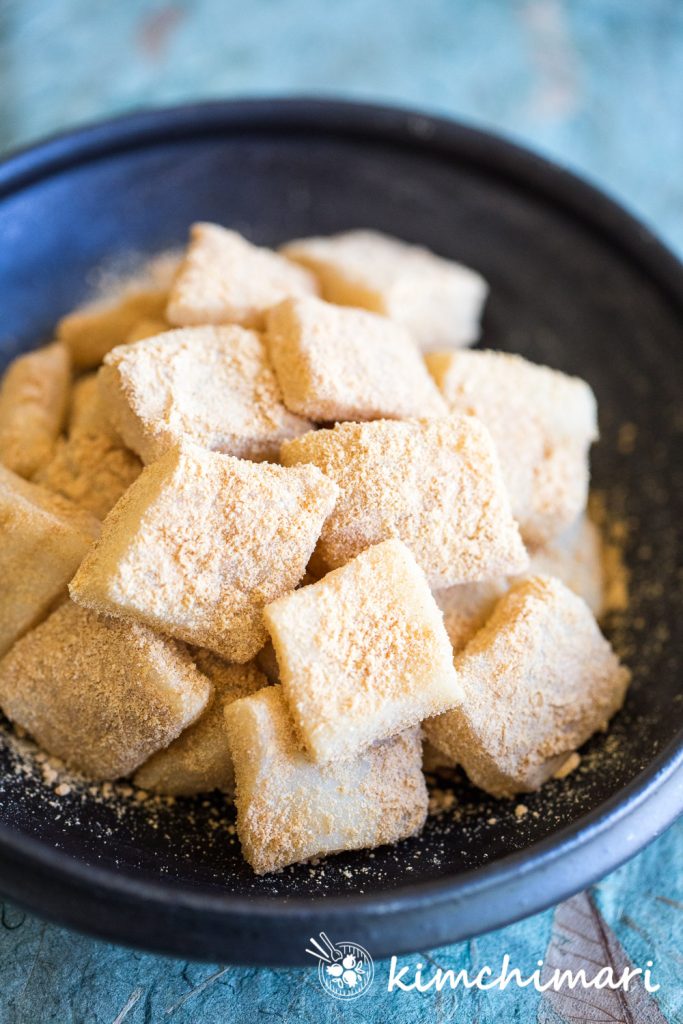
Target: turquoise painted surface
[[596, 85]]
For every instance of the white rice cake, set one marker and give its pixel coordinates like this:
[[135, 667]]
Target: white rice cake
[[43, 539], [99, 693], [289, 809], [199, 760], [201, 542], [224, 279], [539, 679], [542, 422], [576, 557], [363, 653], [438, 300], [466, 608], [335, 363], [213, 386], [436, 484], [34, 397]]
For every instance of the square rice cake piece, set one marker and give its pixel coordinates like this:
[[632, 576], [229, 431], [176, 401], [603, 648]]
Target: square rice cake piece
[[34, 397], [213, 386], [43, 539], [542, 422], [87, 413], [199, 760], [578, 559], [289, 809], [99, 693], [336, 363], [434, 483], [466, 608], [224, 279], [201, 542], [92, 470], [148, 327], [539, 679], [438, 300], [100, 325], [363, 653], [91, 467]]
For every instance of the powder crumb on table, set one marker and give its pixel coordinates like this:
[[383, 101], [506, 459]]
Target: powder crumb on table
[[441, 800]]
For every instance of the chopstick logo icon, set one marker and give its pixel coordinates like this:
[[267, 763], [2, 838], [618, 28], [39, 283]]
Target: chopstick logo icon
[[345, 969]]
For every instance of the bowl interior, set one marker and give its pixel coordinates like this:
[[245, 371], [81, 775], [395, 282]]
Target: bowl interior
[[562, 293]]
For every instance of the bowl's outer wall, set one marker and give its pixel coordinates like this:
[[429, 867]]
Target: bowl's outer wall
[[580, 292]]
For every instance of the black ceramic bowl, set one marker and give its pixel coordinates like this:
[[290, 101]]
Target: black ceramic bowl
[[576, 283]]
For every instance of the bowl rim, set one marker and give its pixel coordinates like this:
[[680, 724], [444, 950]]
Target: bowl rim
[[659, 785]]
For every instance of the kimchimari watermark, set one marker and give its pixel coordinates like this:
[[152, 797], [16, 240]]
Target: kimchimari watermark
[[484, 979]]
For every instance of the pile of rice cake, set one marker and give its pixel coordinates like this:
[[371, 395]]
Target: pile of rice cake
[[269, 525]]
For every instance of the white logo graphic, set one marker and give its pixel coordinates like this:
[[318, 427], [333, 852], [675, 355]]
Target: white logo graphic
[[345, 969]]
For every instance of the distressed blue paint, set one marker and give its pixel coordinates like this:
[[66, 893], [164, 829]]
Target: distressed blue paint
[[596, 85]]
